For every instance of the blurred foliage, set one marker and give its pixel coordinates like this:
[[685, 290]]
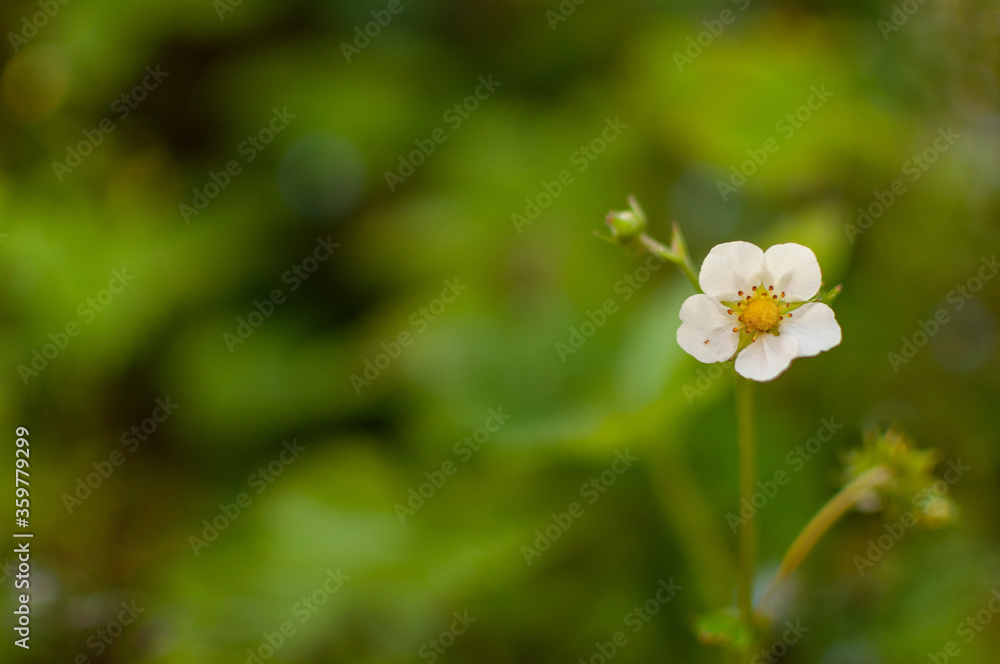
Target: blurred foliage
[[912, 483], [627, 389]]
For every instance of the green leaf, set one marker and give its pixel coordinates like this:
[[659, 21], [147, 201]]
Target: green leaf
[[723, 628]]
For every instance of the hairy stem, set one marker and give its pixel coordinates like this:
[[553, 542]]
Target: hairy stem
[[682, 261], [823, 520], [745, 438]]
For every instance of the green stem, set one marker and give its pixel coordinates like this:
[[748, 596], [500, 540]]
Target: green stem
[[824, 519], [682, 261], [745, 437]]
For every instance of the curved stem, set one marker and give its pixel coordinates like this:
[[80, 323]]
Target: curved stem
[[745, 438], [682, 261], [835, 508]]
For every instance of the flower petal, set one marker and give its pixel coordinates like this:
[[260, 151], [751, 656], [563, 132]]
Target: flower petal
[[704, 319], [793, 269], [815, 328], [767, 357], [731, 267]]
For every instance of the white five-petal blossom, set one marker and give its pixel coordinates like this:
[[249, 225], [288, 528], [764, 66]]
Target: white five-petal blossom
[[755, 304]]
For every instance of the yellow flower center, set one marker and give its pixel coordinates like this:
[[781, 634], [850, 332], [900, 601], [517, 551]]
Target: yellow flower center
[[761, 313]]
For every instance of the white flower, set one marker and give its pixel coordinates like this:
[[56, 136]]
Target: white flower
[[755, 305]]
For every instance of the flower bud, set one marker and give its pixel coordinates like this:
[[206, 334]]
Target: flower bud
[[627, 225], [913, 482]]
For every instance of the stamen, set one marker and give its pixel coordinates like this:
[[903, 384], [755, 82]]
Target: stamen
[[741, 293], [789, 315], [770, 288], [774, 297], [736, 329], [782, 293], [729, 311], [755, 288], [706, 341]]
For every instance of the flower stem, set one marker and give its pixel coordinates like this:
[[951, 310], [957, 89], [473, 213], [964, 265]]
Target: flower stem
[[683, 261], [823, 520], [745, 438]]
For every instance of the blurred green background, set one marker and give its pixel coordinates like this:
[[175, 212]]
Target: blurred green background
[[446, 298]]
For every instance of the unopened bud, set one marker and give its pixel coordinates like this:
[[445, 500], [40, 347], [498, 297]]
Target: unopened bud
[[627, 225]]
